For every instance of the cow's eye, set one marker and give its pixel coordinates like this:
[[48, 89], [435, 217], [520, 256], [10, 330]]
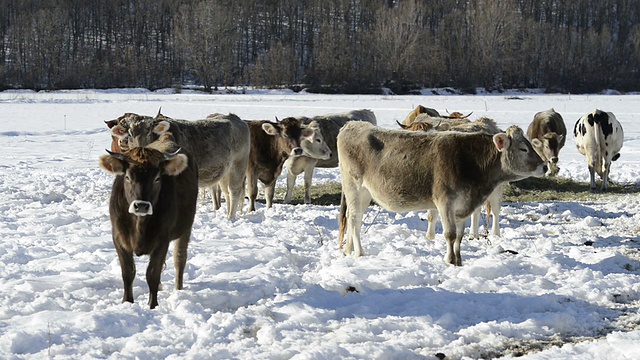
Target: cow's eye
[[524, 150], [157, 179], [318, 141], [127, 178]]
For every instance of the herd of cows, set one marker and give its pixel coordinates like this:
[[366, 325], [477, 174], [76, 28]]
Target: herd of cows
[[448, 165]]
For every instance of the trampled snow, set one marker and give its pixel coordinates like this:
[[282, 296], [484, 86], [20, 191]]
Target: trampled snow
[[561, 282]]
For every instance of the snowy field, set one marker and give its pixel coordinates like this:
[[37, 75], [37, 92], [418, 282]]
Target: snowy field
[[563, 281]]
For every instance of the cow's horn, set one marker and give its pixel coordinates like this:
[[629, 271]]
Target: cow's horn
[[466, 116], [116, 155], [172, 155], [159, 110], [402, 125]]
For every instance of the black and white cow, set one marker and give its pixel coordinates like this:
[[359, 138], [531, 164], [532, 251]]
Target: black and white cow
[[599, 136]]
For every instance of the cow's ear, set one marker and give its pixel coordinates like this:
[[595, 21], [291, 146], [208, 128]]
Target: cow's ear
[[119, 131], [314, 125], [162, 127], [536, 143], [111, 123], [112, 164], [307, 132], [176, 165], [501, 141], [270, 129]]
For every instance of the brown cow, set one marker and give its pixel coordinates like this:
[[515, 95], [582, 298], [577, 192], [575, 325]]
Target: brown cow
[[401, 171], [417, 111], [271, 144], [153, 201], [549, 130]]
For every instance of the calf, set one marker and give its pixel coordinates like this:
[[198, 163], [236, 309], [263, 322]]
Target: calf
[[452, 172], [547, 134], [494, 201], [328, 126], [599, 136], [219, 145], [271, 144], [153, 201]]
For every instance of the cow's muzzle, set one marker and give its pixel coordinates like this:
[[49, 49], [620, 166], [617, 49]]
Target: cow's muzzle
[[554, 159], [141, 208], [296, 151]]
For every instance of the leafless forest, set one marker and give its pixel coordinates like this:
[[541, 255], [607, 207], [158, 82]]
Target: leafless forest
[[325, 45]]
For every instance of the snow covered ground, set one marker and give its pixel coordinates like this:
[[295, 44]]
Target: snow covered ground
[[562, 282]]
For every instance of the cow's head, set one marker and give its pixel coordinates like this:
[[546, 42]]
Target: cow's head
[[518, 156], [143, 170], [289, 133], [549, 146], [138, 132], [119, 128], [314, 145]]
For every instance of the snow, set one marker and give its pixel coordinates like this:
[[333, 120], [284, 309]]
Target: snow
[[562, 281]]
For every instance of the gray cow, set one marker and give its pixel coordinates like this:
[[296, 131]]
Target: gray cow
[[548, 134], [328, 126], [219, 145], [401, 171]]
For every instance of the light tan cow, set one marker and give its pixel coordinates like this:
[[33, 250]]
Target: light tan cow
[[494, 201], [401, 171]]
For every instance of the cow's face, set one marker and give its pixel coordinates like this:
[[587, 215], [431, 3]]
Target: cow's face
[[548, 147], [138, 132], [314, 145], [288, 133], [143, 170], [518, 156]]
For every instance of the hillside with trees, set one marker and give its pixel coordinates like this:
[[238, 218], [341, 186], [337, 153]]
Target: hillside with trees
[[324, 45]]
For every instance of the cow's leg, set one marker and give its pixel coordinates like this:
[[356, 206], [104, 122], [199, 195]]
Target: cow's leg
[[458, 241], [592, 186], [269, 192], [605, 177], [308, 175], [216, 196], [180, 258], [291, 183], [432, 217], [475, 223], [495, 203], [154, 271], [235, 184], [449, 226], [355, 212], [128, 269], [252, 184]]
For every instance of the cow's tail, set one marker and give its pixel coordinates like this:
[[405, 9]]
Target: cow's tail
[[597, 125], [342, 219]]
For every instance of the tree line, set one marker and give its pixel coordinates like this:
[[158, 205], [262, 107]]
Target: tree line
[[324, 45]]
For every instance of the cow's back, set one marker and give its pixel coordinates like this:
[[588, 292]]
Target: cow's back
[[215, 143], [403, 169], [330, 126]]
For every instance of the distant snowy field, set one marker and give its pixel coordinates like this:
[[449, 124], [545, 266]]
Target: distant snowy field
[[562, 281]]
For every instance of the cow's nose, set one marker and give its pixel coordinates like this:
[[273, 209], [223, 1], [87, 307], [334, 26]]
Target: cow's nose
[[141, 208], [545, 169], [297, 151], [554, 159]]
